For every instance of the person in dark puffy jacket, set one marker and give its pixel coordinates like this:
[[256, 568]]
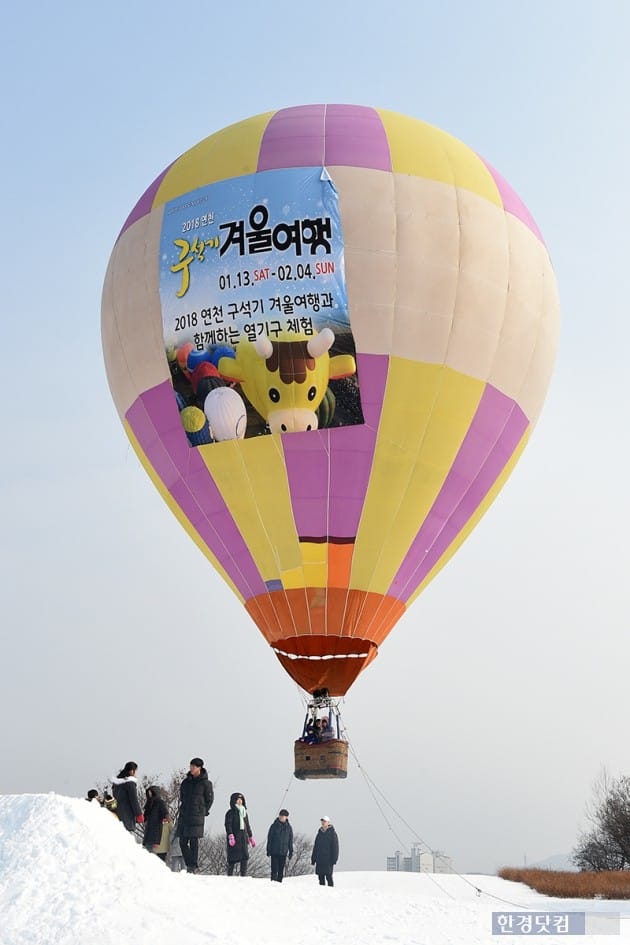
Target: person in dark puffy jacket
[[280, 844], [125, 791], [155, 818], [239, 834], [325, 852], [195, 800]]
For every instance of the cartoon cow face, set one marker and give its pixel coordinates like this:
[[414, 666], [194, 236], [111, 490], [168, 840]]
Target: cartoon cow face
[[286, 380]]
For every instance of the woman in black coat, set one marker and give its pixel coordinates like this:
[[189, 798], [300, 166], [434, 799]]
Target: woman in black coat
[[155, 816], [125, 791], [239, 834], [325, 852]]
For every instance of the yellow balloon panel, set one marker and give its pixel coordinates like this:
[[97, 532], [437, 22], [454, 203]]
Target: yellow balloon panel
[[421, 150], [420, 435]]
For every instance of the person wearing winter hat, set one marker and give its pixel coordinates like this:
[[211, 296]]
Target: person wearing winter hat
[[325, 852], [125, 791], [280, 844], [239, 834], [196, 795]]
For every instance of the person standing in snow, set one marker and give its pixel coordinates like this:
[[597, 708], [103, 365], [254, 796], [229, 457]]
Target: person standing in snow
[[279, 844], [92, 795], [176, 860], [125, 791], [239, 834], [195, 800], [109, 803], [325, 852], [156, 823]]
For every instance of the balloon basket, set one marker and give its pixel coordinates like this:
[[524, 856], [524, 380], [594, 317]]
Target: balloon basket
[[324, 760]]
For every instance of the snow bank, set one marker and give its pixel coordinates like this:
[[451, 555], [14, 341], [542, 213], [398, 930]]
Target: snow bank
[[71, 875]]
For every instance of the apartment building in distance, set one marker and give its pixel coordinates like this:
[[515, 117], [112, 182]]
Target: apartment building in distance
[[420, 861]]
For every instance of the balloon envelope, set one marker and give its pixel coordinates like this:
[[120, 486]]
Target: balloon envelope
[[226, 413], [447, 306]]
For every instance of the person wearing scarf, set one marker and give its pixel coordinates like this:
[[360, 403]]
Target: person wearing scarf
[[238, 834]]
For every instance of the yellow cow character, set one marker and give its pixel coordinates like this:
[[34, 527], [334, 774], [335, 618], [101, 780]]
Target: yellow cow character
[[286, 379]]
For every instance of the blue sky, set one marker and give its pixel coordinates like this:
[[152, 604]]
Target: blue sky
[[488, 741]]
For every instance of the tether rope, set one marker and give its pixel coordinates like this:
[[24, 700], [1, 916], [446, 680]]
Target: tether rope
[[372, 787], [284, 796]]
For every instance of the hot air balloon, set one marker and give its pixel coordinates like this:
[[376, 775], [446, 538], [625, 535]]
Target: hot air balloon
[[351, 262], [226, 413]]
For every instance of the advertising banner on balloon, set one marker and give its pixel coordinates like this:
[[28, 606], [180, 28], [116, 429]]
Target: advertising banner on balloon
[[254, 307]]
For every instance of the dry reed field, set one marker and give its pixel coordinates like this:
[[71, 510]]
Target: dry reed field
[[608, 884]]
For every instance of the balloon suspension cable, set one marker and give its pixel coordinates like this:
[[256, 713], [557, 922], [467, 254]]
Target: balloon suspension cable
[[374, 789], [301, 695]]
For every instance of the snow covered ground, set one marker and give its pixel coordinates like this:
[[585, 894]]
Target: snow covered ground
[[71, 875]]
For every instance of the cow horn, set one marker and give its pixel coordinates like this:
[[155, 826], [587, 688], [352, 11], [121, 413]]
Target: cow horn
[[263, 347], [320, 343]]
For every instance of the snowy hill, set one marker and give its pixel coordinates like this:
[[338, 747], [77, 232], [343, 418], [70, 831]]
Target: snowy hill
[[71, 875]]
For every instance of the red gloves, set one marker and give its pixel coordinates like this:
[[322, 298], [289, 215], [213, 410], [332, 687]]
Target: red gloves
[[252, 842], [140, 819], [231, 840]]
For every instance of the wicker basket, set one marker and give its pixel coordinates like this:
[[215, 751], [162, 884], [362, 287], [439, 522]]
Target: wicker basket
[[325, 760]]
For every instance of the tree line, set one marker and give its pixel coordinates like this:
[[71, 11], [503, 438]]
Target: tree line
[[606, 844]]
